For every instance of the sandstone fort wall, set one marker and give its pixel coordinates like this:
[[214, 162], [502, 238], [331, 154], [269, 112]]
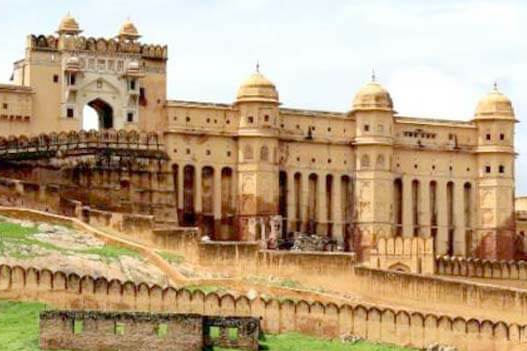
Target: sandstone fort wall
[[477, 268], [313, 318]]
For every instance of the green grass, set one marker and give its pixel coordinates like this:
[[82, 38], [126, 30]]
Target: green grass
[[14, 237], [299, 342], [171, 258], [206, 288], [110, 253], [19, 331]]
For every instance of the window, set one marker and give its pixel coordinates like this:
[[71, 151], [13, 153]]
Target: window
[[208, 120], [233, 334], [487, 136], [266, 118], [119, 328], [101, 65], [161, 329], [250, 119], [207, 152], [502, 136], [502, 169], [188, 119], [214, 332], [72, 79], [77, 327], [487, 169], [228, 154], [188, 151], [70, 113], [132, 84], [55, 78], [130, 116], [99, 84], [366, 127], [4, 106]]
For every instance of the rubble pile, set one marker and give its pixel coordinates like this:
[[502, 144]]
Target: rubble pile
[[313, 242]]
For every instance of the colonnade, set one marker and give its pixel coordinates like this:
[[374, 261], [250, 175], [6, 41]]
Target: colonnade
[[317, 202], [441, 208], [205, 196]]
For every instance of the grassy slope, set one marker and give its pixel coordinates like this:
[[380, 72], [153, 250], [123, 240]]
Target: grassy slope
[[19, 332], [18, 237]]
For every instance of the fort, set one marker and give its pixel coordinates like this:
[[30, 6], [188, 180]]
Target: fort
[[429, 238]]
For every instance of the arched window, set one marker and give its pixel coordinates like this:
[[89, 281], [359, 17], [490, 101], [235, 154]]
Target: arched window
[[264, 153], [248, 152], [380, 161], [365, 161]]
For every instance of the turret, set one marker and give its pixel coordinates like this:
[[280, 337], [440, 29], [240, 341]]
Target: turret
[[128, 32], [257, 105], [495, 120], [373, 112]]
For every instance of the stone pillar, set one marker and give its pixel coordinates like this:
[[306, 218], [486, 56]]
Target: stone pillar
[[322, 218], [459, 220], [198, 201], [291, 208], [424, 208], [442, 218], [336, 198], [304, 192], [181, 186], [407, 205], [217, 201]]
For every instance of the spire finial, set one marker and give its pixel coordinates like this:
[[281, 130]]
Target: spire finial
[[495, 86], [258, 66], [373, 74]]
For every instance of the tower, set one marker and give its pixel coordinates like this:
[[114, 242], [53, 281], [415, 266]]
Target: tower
[[495, 236], [372, 214], [257, 104]]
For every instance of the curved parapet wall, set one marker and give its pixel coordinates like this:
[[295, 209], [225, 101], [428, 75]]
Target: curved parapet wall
[[402, 327], [100, 46], [478, 268], [120, 142]]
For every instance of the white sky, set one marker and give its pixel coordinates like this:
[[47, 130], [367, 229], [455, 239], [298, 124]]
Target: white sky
[[437, 58]]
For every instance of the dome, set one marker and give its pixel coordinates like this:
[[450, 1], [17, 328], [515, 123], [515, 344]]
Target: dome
[[257, 88], [68, 25], [495, 104], [372, 97], [129, 30]]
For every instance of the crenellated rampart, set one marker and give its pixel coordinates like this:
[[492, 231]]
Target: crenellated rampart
[[329, 320]]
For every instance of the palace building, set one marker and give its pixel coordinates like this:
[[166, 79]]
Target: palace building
[[247, 168]]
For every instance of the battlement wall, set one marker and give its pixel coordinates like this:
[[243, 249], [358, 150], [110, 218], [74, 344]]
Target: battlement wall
[[402, 327], [47, 145], [478, 268], [100, 46], [413, 254], [429, 291]]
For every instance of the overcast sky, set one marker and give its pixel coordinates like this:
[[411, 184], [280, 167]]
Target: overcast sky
[[437, 58]]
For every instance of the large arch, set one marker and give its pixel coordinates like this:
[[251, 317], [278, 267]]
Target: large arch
[[104, 111]]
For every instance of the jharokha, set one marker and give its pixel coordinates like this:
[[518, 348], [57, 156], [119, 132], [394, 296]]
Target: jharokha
[[250, 170]]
